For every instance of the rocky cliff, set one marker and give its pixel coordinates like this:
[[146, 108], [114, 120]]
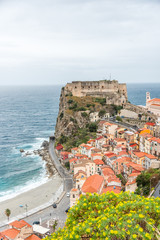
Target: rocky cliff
[[74, 112]]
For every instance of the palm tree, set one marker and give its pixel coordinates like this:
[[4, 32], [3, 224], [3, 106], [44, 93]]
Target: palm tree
[[8, 213]]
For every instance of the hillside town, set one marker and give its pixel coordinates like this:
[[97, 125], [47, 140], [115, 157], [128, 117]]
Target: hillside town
[[117, 151]]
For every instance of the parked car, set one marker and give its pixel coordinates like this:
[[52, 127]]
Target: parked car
[[68, 194], [67, 210], [36, 222], [54, 205]]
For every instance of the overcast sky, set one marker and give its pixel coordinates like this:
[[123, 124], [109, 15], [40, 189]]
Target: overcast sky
[[59, 41]]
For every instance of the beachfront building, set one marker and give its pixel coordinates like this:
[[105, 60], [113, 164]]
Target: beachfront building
[[19, 229], [153, 105]]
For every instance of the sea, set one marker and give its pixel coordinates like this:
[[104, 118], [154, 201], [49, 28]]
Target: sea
[[27, 118]]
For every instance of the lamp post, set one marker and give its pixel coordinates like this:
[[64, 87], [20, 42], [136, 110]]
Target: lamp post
[[26, 206]]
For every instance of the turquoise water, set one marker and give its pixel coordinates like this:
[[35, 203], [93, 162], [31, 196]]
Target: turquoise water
[[28, 117]]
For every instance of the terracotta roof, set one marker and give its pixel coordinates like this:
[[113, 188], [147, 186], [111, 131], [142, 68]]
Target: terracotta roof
[[151, 156], [10, 233], [59, 147], [33, 237], [98, 162], [154, 139], [153, 104], [140, 154], [135, 166], [87, 146], [99, 138], [134, 174], [107, 171], [121, 153], [108, 154], [65, 153], [75, 149], [150, 124], [113, 178], [92, 184], [74, 189], [73, 160], [96, 154], [19, 224], [108, 124], [120, 139], [96, 150], [3, 237], [123, 159], [91, 140], [114, 189], [131, 182], [154, 99]]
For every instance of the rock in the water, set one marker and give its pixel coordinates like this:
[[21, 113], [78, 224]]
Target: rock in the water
[[45, 144], [21, 150]]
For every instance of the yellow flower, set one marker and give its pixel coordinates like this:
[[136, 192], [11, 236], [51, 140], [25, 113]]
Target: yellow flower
[[129, 221], [106, 238], [148, 236], [141, 215], [88, 230], [77, 236], [104, 234], [141, 229], [134, 236]]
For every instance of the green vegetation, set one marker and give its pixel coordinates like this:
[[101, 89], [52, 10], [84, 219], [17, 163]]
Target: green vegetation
[[8, 213], [67, 165], [78, 136], [102, 101], [112, 216], [70, 101], [81, 109], [116, 108], [61, 115], [146, 181], [122, 178], [119, 119], [84, 114], [101, 113], [92, 127]]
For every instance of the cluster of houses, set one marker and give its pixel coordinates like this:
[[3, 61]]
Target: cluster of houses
[[21, 230], [117, 153]]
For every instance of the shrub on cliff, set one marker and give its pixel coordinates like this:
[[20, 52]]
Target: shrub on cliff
[[112, 216]]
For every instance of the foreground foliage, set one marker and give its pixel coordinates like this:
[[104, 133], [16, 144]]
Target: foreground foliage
[[112, 216]]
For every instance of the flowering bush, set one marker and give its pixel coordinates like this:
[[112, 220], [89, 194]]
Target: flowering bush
[[112, 216]]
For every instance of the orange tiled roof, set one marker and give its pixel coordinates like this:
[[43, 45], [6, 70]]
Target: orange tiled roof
[[120, 140], [10, 233], [95, 154], [114, 189], [122, 153], [140, 154], [154, 99], [19, 224], [3, 237], [74, 189], [150, 156], [113, 178], [73, 160], [150, 124], [92, 183], [107, 171], [134, 174], [131, 182], [33, 237], [98, 162]]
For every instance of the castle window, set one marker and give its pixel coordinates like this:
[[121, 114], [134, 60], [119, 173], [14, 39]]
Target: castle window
[[102, 87], [88, 86], [75, 87], [94, 86], [73, 196]]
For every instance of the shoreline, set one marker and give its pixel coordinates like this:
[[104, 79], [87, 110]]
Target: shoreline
[[34, 199]]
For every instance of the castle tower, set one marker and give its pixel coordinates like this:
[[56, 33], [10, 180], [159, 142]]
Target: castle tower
[[148, 98]]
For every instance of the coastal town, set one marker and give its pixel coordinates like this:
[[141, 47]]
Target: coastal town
[[116, 151], [110, 162]]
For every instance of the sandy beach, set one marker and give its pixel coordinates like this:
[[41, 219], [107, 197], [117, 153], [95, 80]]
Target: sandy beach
[[34, 198]]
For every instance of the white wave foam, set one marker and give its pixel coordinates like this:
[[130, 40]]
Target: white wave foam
[[21, 189]]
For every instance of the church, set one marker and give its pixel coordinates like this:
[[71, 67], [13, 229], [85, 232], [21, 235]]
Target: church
[[153, 105]]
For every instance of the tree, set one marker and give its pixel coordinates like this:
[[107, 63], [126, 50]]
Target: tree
[[101, 113], [119, 119], [8, 213]]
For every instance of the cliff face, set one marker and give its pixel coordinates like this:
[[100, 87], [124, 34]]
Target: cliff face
[[75, 112]]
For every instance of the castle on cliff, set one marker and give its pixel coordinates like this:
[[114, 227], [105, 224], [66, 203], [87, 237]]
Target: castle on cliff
[[114, 92]]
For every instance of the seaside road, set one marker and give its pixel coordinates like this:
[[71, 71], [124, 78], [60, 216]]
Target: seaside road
[[51, 213]]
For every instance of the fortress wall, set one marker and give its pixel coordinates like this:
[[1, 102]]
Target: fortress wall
[[117, 93]]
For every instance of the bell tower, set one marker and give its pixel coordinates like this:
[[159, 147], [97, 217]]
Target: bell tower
[[148, 98]]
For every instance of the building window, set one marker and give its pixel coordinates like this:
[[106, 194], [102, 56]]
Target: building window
[[73, 196]]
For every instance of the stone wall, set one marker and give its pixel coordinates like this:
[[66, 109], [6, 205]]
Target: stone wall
[[114, 92]]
